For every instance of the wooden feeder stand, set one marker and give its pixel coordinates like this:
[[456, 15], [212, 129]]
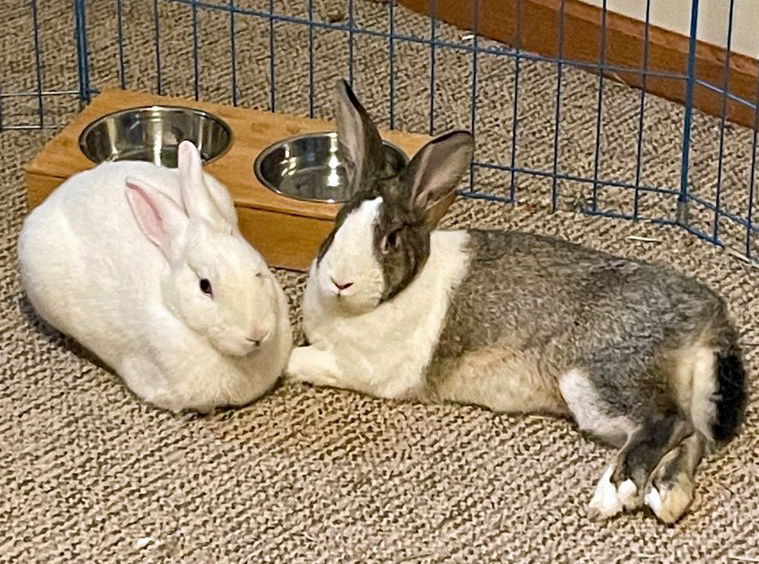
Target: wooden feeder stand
[[286, 231]]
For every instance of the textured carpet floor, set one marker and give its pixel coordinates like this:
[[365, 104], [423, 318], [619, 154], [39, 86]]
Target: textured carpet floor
[[88, 473]]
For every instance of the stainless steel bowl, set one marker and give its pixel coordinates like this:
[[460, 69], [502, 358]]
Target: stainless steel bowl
[[309, 167], [153, 133]]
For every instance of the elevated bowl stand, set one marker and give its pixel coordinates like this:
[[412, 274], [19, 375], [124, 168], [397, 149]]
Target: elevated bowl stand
[[286, 231]]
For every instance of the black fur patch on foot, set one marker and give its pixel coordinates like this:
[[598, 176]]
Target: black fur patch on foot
[[731, 391]]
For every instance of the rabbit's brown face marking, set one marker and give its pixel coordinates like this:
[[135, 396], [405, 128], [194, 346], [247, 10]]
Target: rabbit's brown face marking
[[400, 238], [401, 241], [410, 203]]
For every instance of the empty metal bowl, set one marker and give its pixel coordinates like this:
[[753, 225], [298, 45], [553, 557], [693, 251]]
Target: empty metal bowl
[[153, 133], [309, 167]]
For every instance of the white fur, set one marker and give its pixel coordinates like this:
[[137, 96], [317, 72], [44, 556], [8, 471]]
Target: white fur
[[670, 503], [379, 350], [654, 501], [703, 409], [582, 400], [628, 494], [90, 271], [350, 259], [605, 502], [609, 499], [694, 382]]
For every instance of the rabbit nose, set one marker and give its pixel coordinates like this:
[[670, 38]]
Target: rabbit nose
[[257, 337], [343, 286]]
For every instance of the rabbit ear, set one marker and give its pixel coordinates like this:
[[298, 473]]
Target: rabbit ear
[[159, 217], [223, 203], [359, 141], [431, 178], [195, 192]]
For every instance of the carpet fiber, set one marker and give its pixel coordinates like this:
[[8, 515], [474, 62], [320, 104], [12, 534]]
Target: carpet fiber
[[89, 473]]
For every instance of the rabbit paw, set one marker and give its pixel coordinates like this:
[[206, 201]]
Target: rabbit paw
[[312, 366], [669, 499], [609, 499]]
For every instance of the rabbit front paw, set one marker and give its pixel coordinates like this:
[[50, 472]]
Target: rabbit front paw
[[312, 366]]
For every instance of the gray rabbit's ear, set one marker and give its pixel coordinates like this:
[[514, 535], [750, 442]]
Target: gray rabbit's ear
[[430, 179], [359, 141]]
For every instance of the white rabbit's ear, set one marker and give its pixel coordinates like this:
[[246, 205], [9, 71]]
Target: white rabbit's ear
[[159, 217], [431, 178], [223, 202], [195, 194]]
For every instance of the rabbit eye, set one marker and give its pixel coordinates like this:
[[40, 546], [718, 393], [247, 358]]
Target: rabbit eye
[[205, 287], [258, 274], [390, 241]]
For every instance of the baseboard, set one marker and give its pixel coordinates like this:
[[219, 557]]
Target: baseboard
[[667, 50]]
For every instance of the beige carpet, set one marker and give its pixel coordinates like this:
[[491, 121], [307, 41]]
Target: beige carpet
[[90, 474]]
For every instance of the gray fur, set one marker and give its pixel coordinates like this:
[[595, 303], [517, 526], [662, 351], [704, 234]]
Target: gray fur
[[630, 350], [360, 144], [647, 445], [555, 307], [576, 307]]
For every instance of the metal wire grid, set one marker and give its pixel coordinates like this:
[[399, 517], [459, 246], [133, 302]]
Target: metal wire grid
[[683, 193]]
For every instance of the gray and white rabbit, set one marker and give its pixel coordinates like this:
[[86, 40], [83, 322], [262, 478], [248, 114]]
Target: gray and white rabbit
[[638, 355], [145, 266]]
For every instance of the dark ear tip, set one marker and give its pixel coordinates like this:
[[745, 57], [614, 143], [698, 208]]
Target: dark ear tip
[[458, 135], [456, 138], [345, 91]]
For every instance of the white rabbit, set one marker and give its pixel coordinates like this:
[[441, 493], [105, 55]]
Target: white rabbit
[[168, 295], [638, 355]]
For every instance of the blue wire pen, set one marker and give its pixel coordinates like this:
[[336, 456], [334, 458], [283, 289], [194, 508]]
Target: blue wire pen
[[723, 116], [721, 200], [752, 176], [351, 30], [311, 88], [233, 51], [195, 49], [433, 25], [82, 51], [157, 43], [120, 39], [391, 57], [557, 119], [599, 110], [455, 46], [272, 60], [682, 199], [38, 64], [641, 113], [515, 116], [473, 100]]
